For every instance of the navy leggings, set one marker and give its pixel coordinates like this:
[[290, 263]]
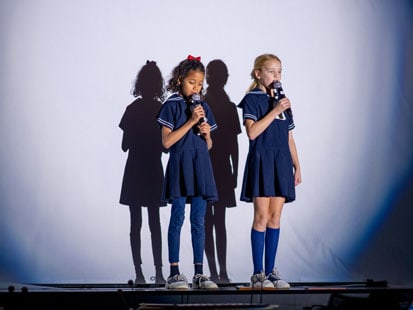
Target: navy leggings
[[197, 219]]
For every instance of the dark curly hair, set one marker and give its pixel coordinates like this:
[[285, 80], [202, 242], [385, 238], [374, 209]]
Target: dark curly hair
[[181, 71]]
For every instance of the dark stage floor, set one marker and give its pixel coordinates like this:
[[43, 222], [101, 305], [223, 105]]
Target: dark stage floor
[[362, 295]]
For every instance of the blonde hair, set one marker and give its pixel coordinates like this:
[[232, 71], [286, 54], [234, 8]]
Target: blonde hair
[[258, 65]]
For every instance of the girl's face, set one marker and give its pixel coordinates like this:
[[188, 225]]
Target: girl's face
[[192, 83], [270, 72]]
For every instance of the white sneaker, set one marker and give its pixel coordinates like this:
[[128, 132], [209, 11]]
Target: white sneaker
[[202, 281], [177, 281], [276, 280], [259, 280]]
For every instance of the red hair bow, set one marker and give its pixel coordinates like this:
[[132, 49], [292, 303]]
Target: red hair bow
[[190, 57]]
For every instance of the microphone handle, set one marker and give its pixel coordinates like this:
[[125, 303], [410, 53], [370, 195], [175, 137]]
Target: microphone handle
[[280, 95], [289, 112], [202, 119]]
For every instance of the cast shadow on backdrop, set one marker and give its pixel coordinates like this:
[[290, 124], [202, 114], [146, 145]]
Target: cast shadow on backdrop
[[224, 158], [143, 174]]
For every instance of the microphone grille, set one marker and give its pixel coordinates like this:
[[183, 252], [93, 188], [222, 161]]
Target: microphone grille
[[196, 97], [277, 84]]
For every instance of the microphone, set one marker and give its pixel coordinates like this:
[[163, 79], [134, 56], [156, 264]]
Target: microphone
[[196, 101], [279, 94]]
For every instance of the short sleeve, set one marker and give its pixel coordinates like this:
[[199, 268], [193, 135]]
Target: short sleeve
[[249, 108], [165, 116]]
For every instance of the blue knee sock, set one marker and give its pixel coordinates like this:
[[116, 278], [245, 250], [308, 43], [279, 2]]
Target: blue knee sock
[[272, 236], [257, 245]]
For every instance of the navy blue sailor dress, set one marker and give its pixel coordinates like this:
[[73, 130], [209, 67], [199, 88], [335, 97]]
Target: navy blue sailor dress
[[189, 169], [268, 169]]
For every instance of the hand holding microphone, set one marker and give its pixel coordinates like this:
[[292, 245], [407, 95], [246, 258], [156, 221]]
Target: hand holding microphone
[[195, 102], [279, 94]]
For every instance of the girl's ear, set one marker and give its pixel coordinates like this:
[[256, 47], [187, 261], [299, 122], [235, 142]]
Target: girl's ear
[[257, 73]]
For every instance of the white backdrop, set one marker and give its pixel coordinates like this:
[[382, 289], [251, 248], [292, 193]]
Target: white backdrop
[[67, 68]]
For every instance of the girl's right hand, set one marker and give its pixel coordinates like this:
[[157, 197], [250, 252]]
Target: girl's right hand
[[282, 105], [197, 113]]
